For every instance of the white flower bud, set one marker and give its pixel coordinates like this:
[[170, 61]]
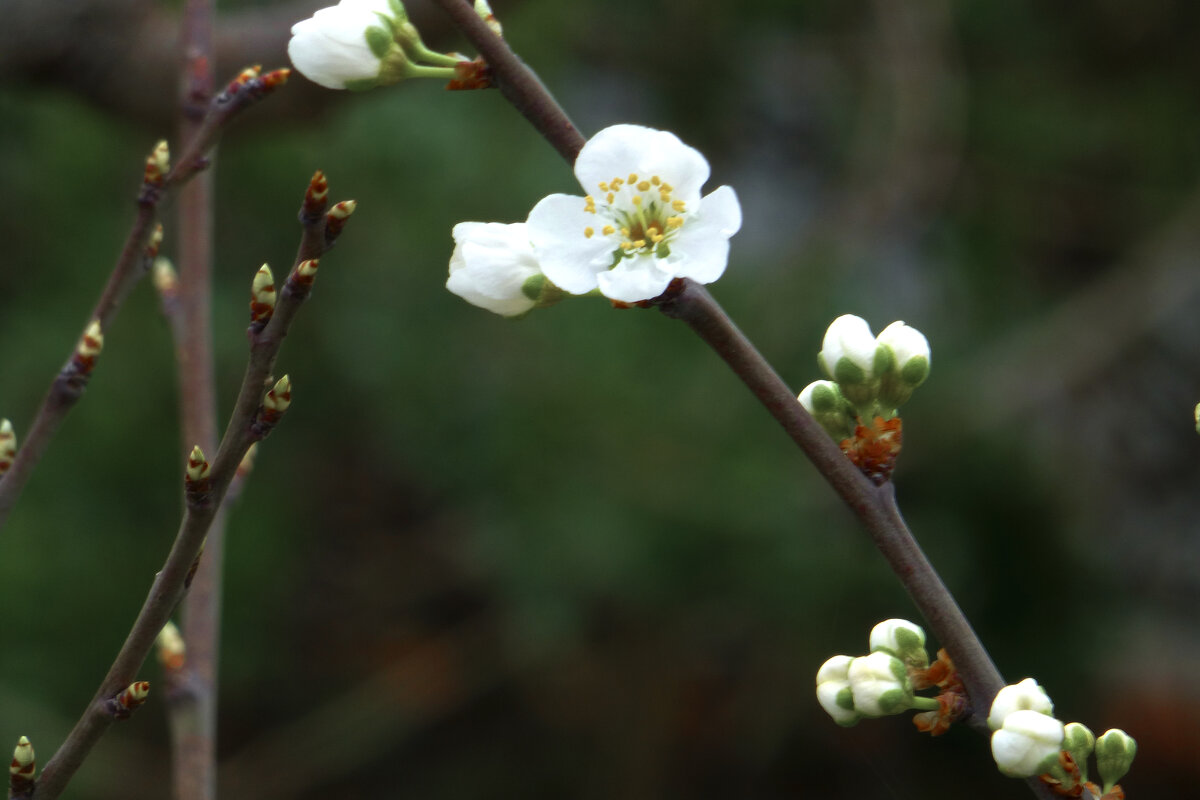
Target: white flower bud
[[903, 639], [494, 267], [908, 364], [879, 684], [833, 691], [824, 400], [848, 355], [1023, 696], [1115, 750], [345, 46], [1028, 744]]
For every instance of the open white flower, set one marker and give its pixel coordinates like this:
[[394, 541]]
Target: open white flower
[[1028, 743], [643, 221], [494, 267]]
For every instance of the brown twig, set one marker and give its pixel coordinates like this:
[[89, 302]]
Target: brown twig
[[690, 302], [192, 709], [67, 387]]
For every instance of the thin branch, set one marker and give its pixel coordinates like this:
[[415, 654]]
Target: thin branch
[[692, 303], [192, 709], [68, 386]]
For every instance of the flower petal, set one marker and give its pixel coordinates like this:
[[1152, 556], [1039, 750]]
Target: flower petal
[[634, 279], [701, 251], [619, 150], [567, 257]]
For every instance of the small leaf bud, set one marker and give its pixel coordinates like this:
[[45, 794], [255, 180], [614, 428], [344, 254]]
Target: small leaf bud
[[902, 639], [1027, 744], [880, 685], [158, 164], [166, 280], [8, 445], [89, 347], [1115, 750], [834, 693], [824, 400], [316, 197], [172, 652], [485, 13], [262, 295], [24, 766], [1079, 742], [197, 466], [305, 272], [1023, 696], [335, 220], [155, 242], [128, 701], [279, 398]]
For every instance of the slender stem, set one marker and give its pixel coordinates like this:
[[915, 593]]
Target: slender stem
[[67, 387], [516, 81], [692, 303], [192, 709]]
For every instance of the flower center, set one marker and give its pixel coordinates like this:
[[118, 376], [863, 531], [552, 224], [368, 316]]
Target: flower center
[[639, 215]]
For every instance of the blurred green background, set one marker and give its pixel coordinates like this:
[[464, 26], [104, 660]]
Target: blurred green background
[[569, 556]]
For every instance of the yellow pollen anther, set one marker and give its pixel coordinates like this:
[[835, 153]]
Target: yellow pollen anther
[[603, 186], [608, 230], [633, 177], [640, 243], [637, 200], [589, 232], [674, 222], [616, 183], [656, 237], [610, 197], [668, 188], [678, 205], [656, 180], [644, 186], [625, 232], [664, 196], [626, 245]]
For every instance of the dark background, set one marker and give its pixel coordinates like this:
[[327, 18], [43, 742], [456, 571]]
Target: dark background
[[569, 556]]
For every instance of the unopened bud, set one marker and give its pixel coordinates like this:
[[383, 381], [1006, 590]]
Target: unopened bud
[[158, 164], [1024, 696], [8, 445], [24, 765], [1115, 750], [335, 220], [836, 414], [197, 466], [1027, 744], [317, 196], [305, 272], [879, 684], [834, 692], [156, 239], [262, 295], [128, 701], [903, 639], [274, 79], [247, 463], [172, 653], [1079, 742], [89, 347], [279, 398], [245, 76], [166, 280], [485, 13]]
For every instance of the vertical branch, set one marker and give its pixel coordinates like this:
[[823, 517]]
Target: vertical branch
[[192, 708]]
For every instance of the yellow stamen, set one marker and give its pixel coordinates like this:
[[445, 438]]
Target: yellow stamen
[[608, 230], [656, 180], [589, 232], [626, 246], [616, 183], [664, 196], [633, 177], [674, 222], [640, 243], [603, 186], [678, 205], [656, 237], [644, 186], [668, 188], [610, 197], [625, 232], [637, 200]]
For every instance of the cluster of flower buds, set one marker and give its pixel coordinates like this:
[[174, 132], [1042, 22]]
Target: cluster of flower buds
[[871, 377], [882, 683], [1028, 741], [361, 44]]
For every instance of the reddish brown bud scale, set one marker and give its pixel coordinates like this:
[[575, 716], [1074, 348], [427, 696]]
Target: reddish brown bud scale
[[335, 220], [875, 447], [274, 79], [471, 75]]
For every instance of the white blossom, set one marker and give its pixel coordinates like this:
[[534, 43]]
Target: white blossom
[[833, 691], [1027, 744], [1024, 696], [492, 267], [900, 638], [642, 222], [879, 684], [848, 351], [345, 46]]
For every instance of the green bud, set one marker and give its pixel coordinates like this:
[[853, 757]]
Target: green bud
[[1115, 750], [1079, 742]]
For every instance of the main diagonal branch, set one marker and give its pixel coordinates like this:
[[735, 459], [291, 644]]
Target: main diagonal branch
[[690, 302]]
